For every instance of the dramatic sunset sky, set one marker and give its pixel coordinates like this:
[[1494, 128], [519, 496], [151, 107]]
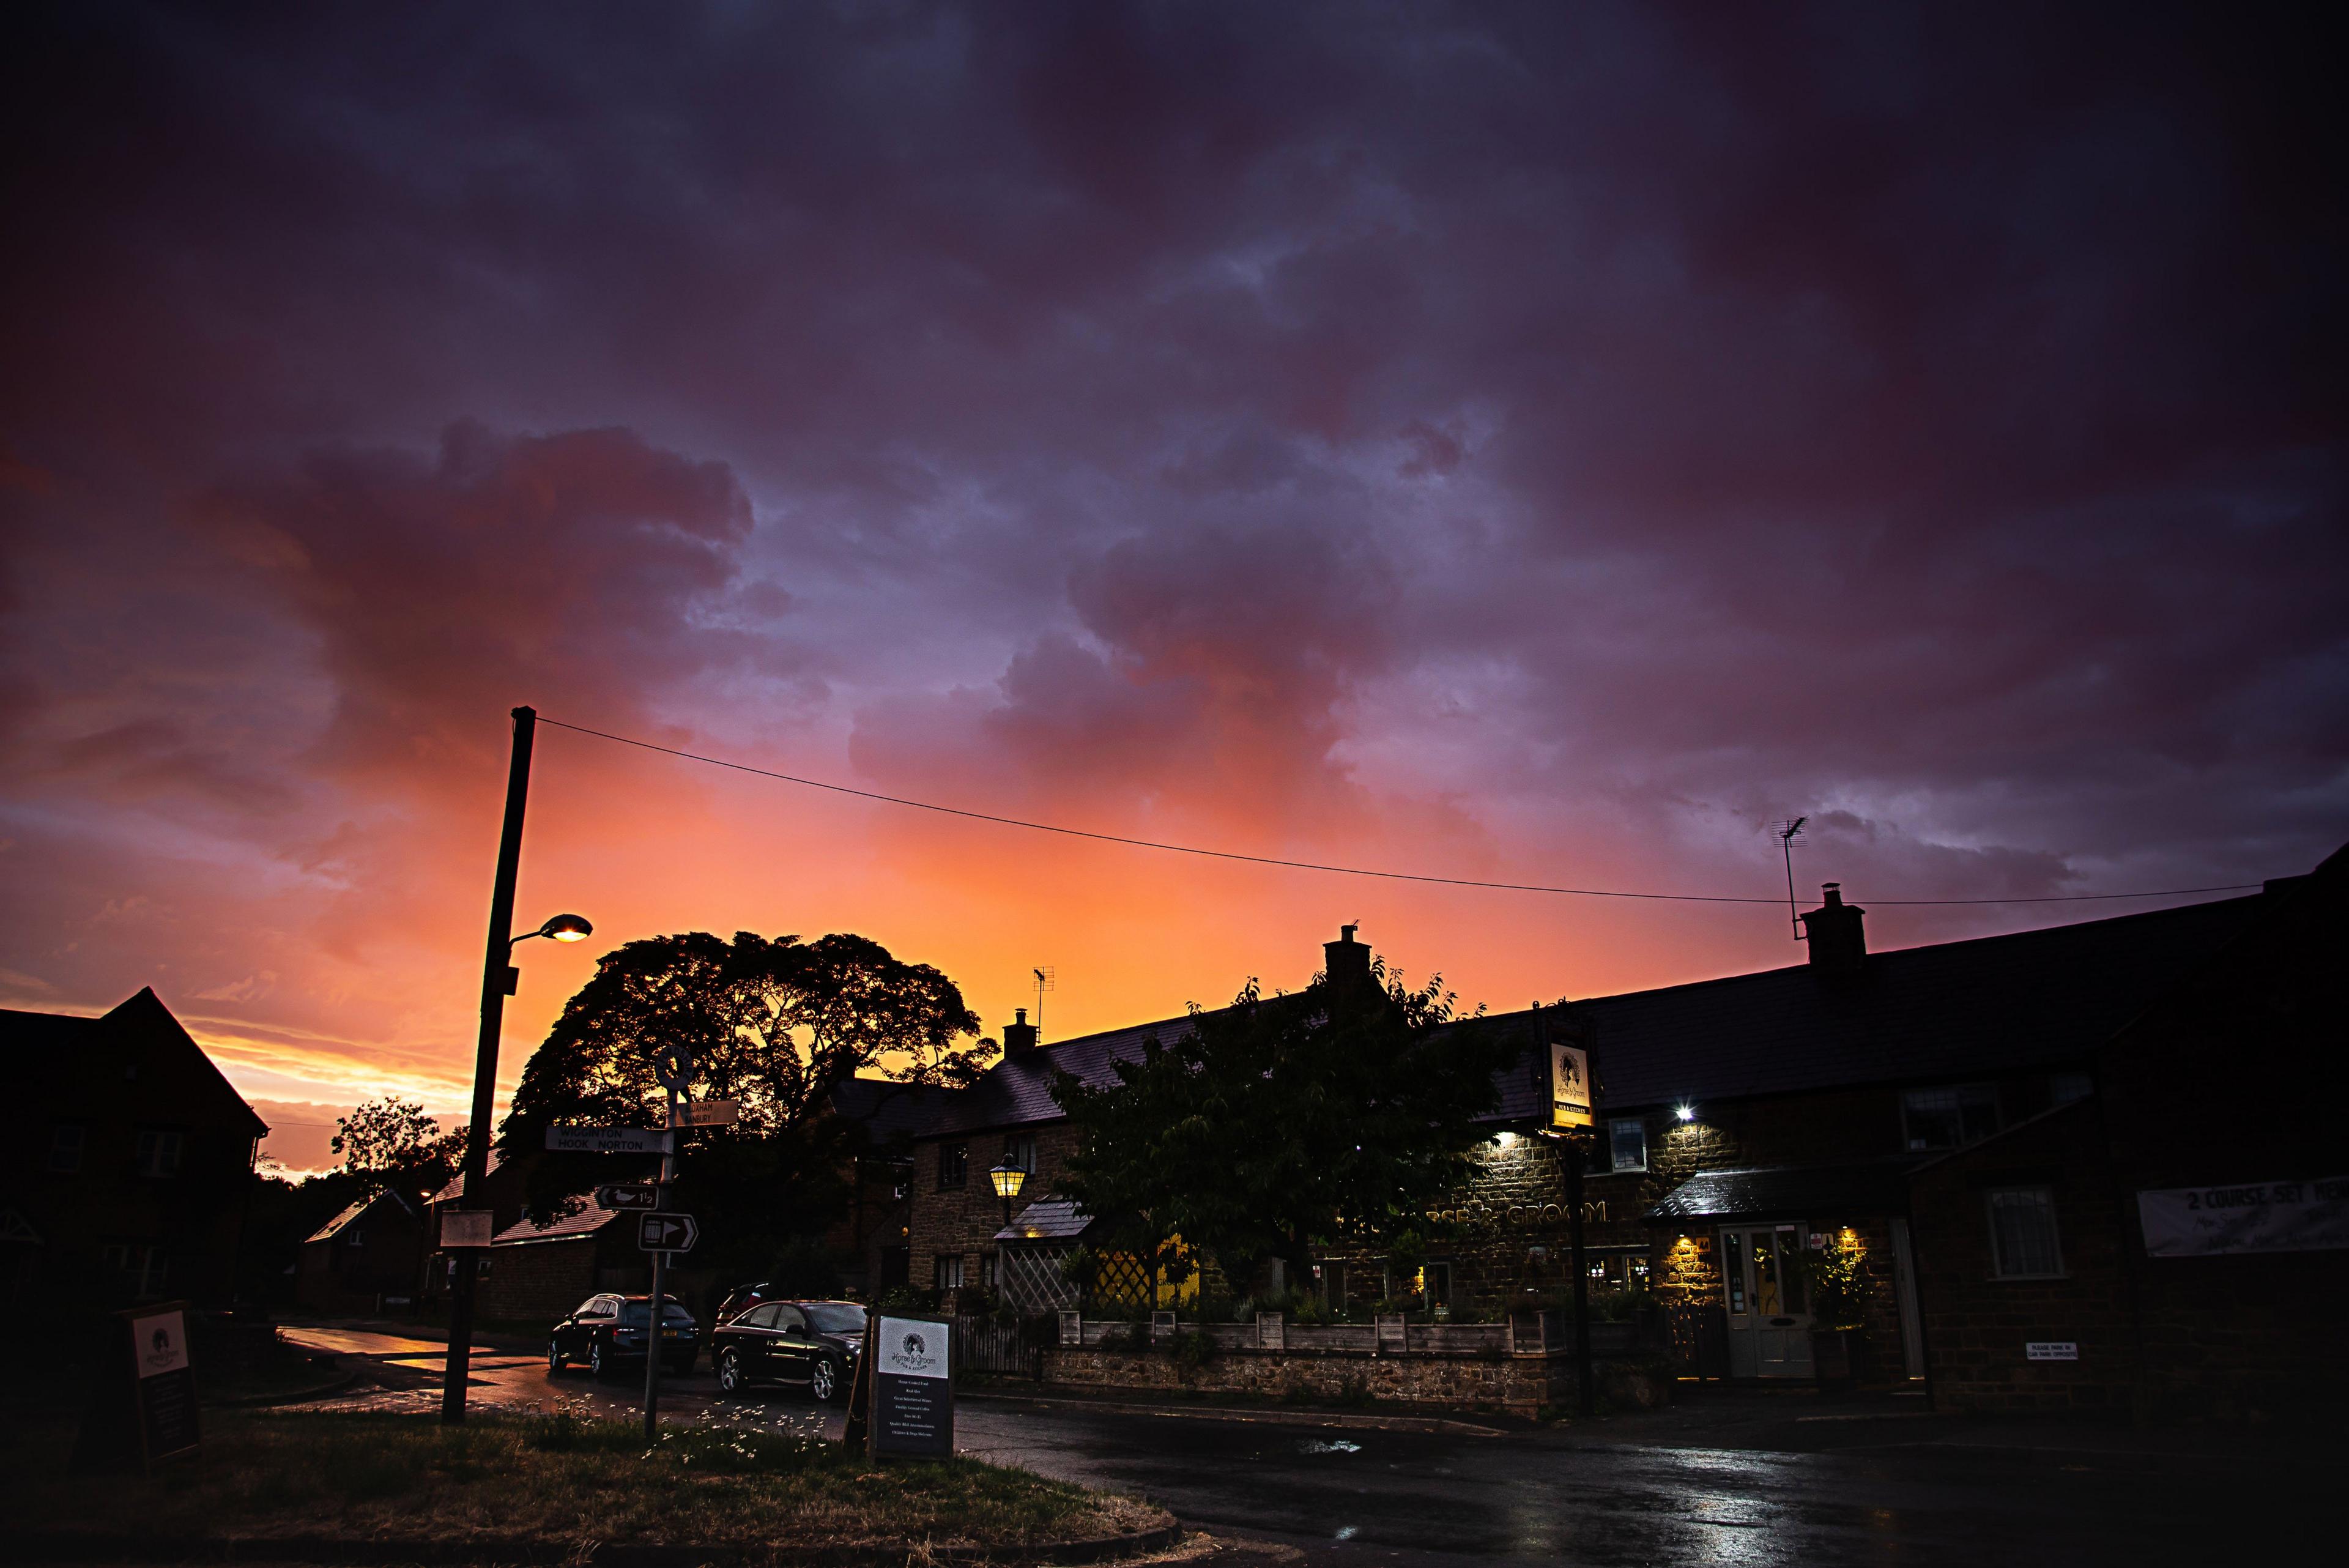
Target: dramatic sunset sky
[[1540, 443]]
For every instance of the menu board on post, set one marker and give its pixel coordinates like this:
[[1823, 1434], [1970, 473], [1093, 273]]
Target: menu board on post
[[167, 1382], [912, 1377], [143, 1408]]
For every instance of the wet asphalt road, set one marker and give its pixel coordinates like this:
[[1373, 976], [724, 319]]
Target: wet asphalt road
[[1355, 1498]]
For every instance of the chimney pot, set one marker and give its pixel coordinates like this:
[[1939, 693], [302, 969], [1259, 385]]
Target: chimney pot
[[1018, 1035], [1347, 963], [1836, 933]]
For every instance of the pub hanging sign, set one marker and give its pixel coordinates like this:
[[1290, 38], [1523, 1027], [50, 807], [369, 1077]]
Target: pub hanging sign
[[1569, 1085]]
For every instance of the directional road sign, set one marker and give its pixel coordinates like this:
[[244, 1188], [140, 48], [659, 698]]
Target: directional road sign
[[627, 1197], [607, 1140], [667, 1232], [706, 1113]]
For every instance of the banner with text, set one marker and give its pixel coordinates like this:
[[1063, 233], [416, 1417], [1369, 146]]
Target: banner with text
[[2246, 1217]]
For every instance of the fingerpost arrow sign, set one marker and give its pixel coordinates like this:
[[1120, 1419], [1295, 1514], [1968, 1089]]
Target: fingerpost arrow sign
[[627, 1197], [667, 1232]]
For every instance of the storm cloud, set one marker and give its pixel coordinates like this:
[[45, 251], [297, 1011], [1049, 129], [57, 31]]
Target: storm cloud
[[1533, 443]]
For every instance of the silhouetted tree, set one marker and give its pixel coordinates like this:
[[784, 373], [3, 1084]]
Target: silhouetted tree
[[774, 1023], [1282, 1123], [390, 1144]]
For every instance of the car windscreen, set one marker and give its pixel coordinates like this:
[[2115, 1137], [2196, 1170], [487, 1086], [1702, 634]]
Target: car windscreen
[[829, 1318], [633, 1315]]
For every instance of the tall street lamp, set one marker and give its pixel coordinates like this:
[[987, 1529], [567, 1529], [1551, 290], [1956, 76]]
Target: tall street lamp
[[499, 978]]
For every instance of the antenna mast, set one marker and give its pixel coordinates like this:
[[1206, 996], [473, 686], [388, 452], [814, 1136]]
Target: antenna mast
[[1045, 981], [1785, 832]]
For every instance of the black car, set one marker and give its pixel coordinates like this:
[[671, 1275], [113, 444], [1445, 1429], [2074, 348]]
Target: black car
[[807, 1344], [607, 1330]]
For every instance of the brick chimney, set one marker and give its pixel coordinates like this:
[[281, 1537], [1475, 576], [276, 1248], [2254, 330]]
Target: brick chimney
[[1347, 963], [1839, 938], [1019, 1036]]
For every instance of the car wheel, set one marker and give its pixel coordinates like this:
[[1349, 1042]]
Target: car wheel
[[730, 1373], [823, 1382], [556, 1362], [598, 1364]]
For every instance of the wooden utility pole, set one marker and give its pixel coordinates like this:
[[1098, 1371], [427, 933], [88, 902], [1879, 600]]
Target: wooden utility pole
[[497, 984]]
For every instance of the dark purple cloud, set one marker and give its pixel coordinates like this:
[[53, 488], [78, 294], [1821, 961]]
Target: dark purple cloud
[[1540, 441]]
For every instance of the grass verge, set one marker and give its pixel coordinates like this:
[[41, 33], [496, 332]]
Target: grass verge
[[563, 1477]]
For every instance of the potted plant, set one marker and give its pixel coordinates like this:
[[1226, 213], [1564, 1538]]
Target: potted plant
[[1839, 1292]]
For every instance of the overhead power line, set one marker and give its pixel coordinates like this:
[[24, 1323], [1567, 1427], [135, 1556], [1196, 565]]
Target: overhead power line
[[1318, 866]]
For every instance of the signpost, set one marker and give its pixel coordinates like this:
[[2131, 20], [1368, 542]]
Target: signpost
[[664, 1233], [608, 1141], [1570, 1120], [706, 1113], [912, 1378], [632, 1196]]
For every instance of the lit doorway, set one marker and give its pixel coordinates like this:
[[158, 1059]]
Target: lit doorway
[[1768, 1300]]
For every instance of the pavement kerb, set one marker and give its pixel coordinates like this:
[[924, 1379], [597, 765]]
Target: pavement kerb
[[1340, 1419], [95, 1547]]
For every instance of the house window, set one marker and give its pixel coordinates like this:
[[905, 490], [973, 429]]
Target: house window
[[1952, 1118], [946, 1273], [159, 1151], [1020, 1151], [954, 1165], [2023, 1241], [2062, 1088], [1627, 1143], [66, 1141], [987, 1271], [141, 1266]]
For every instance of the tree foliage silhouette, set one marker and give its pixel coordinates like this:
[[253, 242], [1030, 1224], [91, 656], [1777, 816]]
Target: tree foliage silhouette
[[774, 1023], [1287, 1123], [390, 1144]]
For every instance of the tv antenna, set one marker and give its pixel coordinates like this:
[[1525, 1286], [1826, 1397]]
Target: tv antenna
[[1785, 832], [1047, 979]]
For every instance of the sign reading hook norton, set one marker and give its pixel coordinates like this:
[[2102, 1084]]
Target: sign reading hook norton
[[607, 1140]]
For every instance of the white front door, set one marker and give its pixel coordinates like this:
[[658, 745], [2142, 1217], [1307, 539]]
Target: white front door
[[1768, 1301]]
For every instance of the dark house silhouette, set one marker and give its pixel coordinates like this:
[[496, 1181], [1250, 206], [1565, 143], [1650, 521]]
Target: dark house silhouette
[[132, 1183]]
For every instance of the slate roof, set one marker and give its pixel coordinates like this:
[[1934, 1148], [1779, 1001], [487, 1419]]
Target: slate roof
[[887, 1111], [2028, 1000], [1018, 1090], [46, 1051], [1789, 1192], [342, 1221], [2040, 998], [1047, 1220], [586, 1222]]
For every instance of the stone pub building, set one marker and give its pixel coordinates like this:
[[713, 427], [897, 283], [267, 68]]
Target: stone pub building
[[2028, 1134]]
